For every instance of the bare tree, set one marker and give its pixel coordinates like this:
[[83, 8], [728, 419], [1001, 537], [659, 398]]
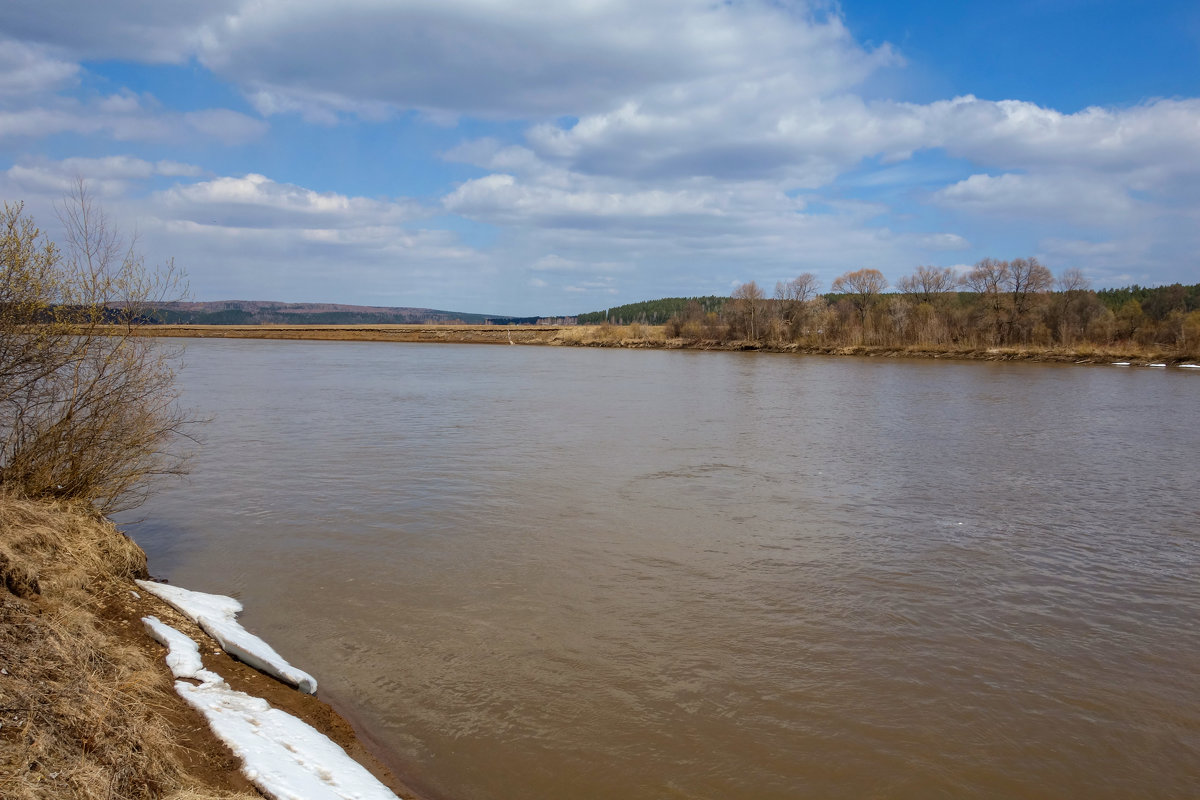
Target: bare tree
[[800, 289], [863, 288], [1027, 279], [87, 407], [1073, 293], [794, 297], [748, 301], [928, 284], [988, 278]]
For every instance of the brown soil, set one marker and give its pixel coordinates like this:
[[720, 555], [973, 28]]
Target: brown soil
[[87, 705], [650, 337], [451, 334]]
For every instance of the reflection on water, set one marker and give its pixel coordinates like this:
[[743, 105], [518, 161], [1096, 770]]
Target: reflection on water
[[545, 573]]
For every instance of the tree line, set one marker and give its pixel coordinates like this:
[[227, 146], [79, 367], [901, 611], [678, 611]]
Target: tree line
[[652, 312], [1014, 303]]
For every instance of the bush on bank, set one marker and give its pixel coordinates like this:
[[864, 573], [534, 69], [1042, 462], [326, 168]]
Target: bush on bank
[[88, 410]]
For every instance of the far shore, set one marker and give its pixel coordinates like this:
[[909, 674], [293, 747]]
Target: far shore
[[654, 337]]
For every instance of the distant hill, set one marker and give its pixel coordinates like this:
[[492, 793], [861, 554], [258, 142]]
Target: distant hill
[[266, 312]]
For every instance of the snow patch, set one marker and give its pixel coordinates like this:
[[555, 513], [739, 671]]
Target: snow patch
[[1120, 363], [183, 654], [283, 756], [1189, 366], [215, 614]]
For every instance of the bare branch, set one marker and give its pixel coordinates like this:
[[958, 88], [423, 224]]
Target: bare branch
[[88, 409]]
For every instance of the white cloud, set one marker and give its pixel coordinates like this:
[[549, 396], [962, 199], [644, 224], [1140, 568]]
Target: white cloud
[[1080, 247], [1085, 200], [503, 199], [803, 141], [808, 142], [134, 30], [255, 201], [555, 263], [29, 69], [111, 176], [521, 58], [1018, 134], [125, 116], [944, 241], [669, 138], [252, 237], [517, 59], [686, 240], [723, 168]]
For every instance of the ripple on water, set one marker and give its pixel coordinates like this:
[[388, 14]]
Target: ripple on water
[[547, 573]]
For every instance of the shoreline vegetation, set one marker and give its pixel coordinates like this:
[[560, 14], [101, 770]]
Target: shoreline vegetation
[[639, 336], [88, 707], [88, 419], [996, 310]]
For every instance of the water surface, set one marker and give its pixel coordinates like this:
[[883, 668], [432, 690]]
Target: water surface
[[548, 573]]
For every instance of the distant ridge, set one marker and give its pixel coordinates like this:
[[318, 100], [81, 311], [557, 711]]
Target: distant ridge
[[269, 312]]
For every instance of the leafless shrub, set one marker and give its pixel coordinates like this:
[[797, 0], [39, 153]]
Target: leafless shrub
[[88, 409]]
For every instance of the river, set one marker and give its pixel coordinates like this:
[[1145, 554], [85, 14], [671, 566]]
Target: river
[[534, 572]]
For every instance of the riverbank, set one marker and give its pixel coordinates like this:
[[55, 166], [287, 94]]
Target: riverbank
[[87, 703], [654, 337]]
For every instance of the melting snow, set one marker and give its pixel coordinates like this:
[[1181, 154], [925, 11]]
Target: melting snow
[[183, 654], [215, 614], [283, 756]]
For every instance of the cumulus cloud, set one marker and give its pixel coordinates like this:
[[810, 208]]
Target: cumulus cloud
[[133, 30], [30, 69], [502, 198], [805, 142], [724, 170], [111, 176], [251, 236], [517, 59], [255, 201], [1021, 134], [1082, 199], [125, 116], [571, 230], [654, 137], [810, 143], [522, 58]]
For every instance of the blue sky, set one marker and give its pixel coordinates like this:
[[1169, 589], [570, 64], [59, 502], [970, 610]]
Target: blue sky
[[545, 158]]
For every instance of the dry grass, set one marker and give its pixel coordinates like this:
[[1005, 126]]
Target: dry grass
[[641, 336], [607, 335], [453, 334], [79, 709]]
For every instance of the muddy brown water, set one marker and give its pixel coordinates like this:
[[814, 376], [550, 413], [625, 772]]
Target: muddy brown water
[[552, 573]]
